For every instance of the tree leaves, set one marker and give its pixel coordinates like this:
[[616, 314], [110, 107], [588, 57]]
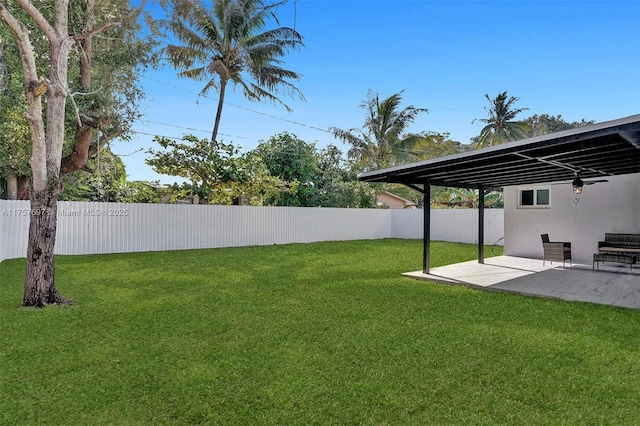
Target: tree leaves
[[382, 141], [500, 125], [282, 171], [228, 43]]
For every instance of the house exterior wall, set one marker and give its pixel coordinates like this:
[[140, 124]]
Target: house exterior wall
[[612, 206]]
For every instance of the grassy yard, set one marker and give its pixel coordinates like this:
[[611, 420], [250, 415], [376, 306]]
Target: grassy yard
[[325, 333]]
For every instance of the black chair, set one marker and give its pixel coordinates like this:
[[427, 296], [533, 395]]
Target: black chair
[[558, 251]]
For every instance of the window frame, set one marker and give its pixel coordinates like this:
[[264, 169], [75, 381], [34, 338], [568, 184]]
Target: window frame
[[535, 204]]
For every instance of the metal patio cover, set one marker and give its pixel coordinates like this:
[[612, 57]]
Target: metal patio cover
[[598, 150]]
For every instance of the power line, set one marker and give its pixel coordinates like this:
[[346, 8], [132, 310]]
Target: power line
[[187, 128], [179, 138], [173, 86], [298, 123], [131, 153], [238, 106], [175, 138]]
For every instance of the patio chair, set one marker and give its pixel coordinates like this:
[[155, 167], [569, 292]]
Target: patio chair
[[559, 251]]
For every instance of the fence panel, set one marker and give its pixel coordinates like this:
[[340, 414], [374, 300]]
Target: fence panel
[[92, 228], [14, 228], [454, 225]]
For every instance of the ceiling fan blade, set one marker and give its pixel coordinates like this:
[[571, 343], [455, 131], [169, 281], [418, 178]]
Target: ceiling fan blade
[[586, 182]]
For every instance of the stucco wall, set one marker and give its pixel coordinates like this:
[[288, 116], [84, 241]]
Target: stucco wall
[[613, 206]]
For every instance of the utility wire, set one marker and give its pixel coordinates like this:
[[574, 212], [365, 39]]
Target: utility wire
[[237, 106], [179, 138], [187, 128], [173, 86]]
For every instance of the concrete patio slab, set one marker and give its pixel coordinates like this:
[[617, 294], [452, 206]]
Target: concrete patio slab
[[611, 285]]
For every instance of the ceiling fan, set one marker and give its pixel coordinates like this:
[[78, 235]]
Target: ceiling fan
[[577, 183]]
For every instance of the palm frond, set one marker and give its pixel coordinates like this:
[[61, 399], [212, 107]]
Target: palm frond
[[198, 74], [229, 43], [381, 142], [211, 84], [350, 136], [283, 36], [500, 125]]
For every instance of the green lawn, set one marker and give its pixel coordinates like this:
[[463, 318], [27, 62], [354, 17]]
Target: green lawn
[[325, 333]]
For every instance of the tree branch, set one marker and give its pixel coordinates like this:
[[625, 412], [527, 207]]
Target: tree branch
[[39, 18], [91, 33], [33, 114]]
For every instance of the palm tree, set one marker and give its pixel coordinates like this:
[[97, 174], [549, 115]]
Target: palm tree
[[382, 141], [500, 126], [229, 44]]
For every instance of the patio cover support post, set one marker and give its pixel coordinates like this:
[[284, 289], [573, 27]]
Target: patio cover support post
[[426, 232], [481, 224]]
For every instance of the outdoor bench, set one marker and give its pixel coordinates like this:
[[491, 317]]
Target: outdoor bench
[[619, 248]]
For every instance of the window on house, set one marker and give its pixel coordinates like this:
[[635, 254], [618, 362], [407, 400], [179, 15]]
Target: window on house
[[534, 198]]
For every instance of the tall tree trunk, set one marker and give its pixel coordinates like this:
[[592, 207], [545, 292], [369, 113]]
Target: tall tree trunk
[[12, 186], [23, 188], [82, 139], [216, 124], [78, 158], [46, 151], [39, 286]]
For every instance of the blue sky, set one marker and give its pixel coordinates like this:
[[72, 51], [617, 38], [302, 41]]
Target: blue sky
[[580, 59]]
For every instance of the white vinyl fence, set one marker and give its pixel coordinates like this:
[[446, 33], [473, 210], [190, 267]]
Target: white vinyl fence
[[90, 228]]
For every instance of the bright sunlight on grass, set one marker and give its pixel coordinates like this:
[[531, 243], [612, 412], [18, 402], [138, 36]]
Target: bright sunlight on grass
[[325, 333]]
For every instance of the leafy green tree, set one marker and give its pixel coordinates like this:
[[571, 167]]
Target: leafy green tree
[[15, 143], [382, 141], [544, 124], [257, 186], [102, 179], [435, 145], [141, 192], [429, 145], [337, 183], [217, 172], [314, 178], [293, 161], [15, 139], [230, 43], [103, 77], [207, 166], [500, 126], [50, 36], [470, 198]]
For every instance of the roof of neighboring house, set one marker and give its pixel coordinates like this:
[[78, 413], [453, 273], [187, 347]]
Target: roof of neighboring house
[[400, 199], [603, 149]]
